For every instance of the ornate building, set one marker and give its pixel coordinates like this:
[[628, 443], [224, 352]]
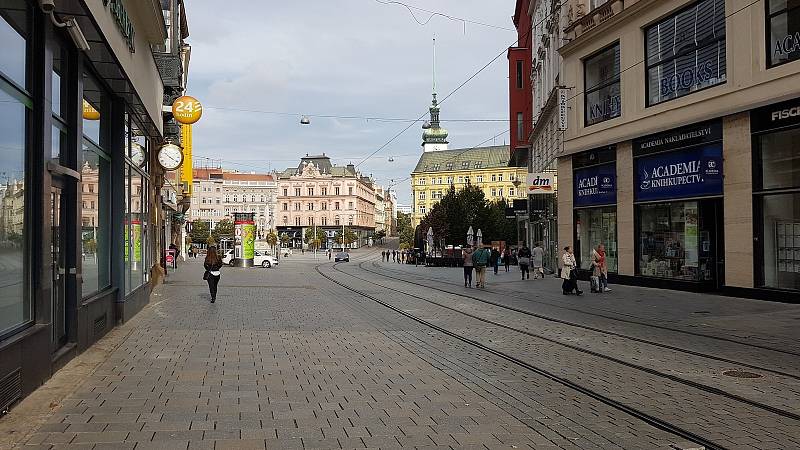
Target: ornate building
[[319, 194]]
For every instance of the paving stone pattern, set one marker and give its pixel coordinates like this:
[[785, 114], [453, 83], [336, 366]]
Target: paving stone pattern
[[285, 359]]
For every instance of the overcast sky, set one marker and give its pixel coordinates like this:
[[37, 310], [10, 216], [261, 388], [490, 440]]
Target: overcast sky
[[344, 58]]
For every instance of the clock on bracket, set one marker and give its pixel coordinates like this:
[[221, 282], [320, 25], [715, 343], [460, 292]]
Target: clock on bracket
[[138, 155], [170, 156]]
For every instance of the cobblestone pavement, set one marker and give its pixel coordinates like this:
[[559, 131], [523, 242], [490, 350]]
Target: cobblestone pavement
[[634, 310], [715, 415], [287, 359]]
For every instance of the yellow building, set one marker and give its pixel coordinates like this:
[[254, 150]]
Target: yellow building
[[485, 167]]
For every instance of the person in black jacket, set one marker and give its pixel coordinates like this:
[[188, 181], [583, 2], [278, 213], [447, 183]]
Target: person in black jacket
[[212, 265]]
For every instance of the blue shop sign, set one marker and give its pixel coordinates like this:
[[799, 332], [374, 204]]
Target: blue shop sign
[[595, 185], [683, 174]]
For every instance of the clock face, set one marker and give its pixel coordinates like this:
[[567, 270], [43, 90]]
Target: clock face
[[137, 154], [170, 157]]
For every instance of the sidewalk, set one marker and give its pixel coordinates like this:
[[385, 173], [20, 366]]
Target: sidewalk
[[282, 360], [766, 323]]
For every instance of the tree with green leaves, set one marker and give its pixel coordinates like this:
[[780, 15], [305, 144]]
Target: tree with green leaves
[[314, 242], [199, 233], [349, 237], [223, 230], [272, 240], [405, 230], [284, 238]]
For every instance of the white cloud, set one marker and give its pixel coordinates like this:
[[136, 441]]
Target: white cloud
[[343, 57]]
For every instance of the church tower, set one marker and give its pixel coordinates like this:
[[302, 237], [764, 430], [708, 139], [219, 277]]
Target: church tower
[[434, 138]]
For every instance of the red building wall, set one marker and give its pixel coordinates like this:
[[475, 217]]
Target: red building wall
[[520, 92]]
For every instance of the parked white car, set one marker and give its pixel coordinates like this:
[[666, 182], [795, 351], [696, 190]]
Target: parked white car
[[259, 259]]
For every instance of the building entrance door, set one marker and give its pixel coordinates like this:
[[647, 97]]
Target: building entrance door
[[58, 265]]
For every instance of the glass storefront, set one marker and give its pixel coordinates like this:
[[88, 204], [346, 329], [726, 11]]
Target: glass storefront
[[15, 108], [597, 226], [137, 243], [678, 218], [594, 192], [95, 192], [674, 242], [777, 197]]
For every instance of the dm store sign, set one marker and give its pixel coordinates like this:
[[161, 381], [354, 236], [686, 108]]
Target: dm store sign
[[685, 174], [596, 185]]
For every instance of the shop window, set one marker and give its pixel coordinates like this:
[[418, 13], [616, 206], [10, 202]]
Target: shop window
[[14, 109], [686, 52], [673, 242], [781, 240], [595, 226], [783, 28], [602, 83], [780, 160], [95, 232], [93, 108], [14, 36]]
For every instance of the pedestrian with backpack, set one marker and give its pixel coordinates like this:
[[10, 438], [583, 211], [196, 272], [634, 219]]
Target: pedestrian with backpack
[[480, 259]]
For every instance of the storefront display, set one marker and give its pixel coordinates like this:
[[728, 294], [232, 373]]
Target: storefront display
[[678, 187], [594, 198], [776, 188]]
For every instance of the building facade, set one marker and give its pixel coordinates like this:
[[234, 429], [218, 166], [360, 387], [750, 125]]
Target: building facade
[[385, 207], [218, 193], [520, 92], [485, 167], [680, 144], [317, 194], [81, 222]]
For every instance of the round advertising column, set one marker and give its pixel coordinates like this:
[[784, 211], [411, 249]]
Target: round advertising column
[[245, 239]]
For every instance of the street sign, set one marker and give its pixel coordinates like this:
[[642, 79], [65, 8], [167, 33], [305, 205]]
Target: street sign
[[562, 109]]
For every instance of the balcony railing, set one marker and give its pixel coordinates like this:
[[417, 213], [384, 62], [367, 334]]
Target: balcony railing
[[596, 17]]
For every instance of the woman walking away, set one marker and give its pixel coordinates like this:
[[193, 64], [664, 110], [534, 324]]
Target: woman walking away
[[507, 258], [467, 256], [600, 268], [537, 261], [212, 264], [494, 259], [524, 259], [569, 274]]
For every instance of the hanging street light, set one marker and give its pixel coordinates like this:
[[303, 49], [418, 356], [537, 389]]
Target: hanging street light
[[305, 120]]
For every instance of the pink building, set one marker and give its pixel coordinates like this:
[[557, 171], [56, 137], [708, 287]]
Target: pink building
[[317, 193]]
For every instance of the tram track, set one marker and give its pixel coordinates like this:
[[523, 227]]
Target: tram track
[[651, 371], [645, 417], [590, 328]]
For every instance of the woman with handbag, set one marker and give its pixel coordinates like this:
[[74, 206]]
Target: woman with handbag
[[212, 274], [568, 273], [524, 260]]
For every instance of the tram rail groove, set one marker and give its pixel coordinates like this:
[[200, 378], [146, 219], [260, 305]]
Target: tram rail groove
[[654, 372], [612, 333], [636, 413]]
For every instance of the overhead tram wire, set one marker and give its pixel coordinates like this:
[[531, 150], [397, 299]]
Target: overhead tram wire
[[561, 4], [433, 14], [485, 66], [341, 117]]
